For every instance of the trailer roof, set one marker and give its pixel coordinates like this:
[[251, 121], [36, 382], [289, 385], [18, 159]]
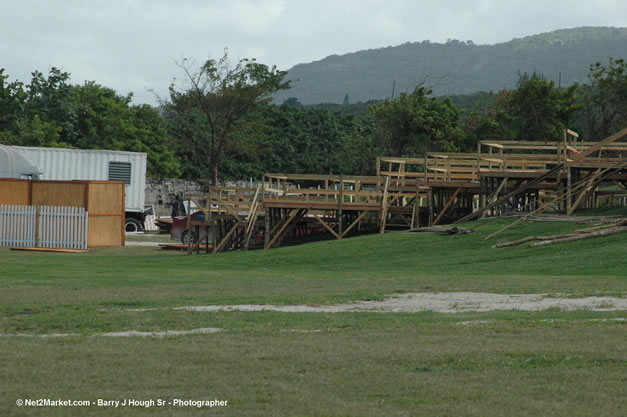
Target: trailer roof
[[14, 164]]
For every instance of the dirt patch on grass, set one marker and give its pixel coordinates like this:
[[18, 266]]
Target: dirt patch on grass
[[491, 322], [128, 333], [442, 302]]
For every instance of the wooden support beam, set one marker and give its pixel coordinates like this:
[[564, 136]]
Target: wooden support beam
[[605, 232], [448, 204], [506, 197], [266, 227], [301, 213], [340, 207], [384, 206], [252, 217], [329, 228], [498, 190], [286, 223], [407, 221], [495, 194], [415, 215], [603, 143], [357, 220], [584, 193], [279, 223], [225, 239], [430, 206], [560, 195], [556, 170]]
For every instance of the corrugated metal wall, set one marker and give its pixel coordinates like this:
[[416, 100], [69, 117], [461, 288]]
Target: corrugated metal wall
[[86, 164]]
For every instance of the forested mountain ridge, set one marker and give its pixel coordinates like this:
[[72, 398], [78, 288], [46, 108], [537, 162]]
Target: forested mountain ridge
[[456, 67]]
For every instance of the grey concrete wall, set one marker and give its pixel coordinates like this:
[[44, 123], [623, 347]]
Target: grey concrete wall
[[161, 191]]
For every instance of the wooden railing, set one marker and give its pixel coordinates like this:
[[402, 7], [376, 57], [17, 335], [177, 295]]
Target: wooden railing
[[332, 189], [452, 167]]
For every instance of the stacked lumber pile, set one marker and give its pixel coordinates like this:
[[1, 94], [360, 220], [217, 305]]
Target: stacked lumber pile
[[442, 230], [607, 229]]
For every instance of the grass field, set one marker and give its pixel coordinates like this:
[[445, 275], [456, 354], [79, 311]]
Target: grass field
[[496, 363]]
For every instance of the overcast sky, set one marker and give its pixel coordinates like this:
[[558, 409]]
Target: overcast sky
[[131, 45]]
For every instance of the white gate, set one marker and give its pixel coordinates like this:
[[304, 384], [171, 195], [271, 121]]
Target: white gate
[[18, 225], [48, 227]]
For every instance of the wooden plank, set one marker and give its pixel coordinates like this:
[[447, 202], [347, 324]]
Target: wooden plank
[[220, 245], [503, 199], [498, 190], [357, 220], [560, 195], [407, 161], [492, 144], [291, 217], [15, 192], [384, 206], [448, 204], [329, 228], [58, 193], [600, 145], [297, 218], [59, 250], [105, 198], [314, 177], [313, 205], [583, 193], [340, 210], [495, 194], [252, 217]]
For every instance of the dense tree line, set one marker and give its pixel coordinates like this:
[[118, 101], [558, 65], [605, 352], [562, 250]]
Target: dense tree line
[[51, 112], [292, 138]]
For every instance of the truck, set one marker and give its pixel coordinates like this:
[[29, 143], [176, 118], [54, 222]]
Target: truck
[[100, 165]]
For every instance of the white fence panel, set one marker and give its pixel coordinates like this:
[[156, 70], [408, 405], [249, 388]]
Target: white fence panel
[[63, 227], [17, 225], [59, 227]]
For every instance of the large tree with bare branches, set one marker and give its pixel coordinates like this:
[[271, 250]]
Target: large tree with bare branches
[[222, 94]]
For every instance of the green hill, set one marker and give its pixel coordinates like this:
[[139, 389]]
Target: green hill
[[456, 67]]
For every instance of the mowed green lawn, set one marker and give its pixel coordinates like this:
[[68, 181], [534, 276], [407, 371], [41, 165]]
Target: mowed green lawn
[[317, 364]]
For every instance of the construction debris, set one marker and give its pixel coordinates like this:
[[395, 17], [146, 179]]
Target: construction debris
[[618, 227], [442, 230], [559, 239], [573, 219]]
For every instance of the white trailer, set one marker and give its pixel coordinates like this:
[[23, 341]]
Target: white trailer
[[100, 165]]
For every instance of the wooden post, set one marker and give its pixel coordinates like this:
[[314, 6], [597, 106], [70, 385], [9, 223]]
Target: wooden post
[[340, 208], [384, 206], [38, 213], [430, 205], [267, 226], [478, 161]]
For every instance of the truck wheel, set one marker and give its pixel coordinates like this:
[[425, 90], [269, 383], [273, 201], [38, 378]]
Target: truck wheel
[[132, 225], [188, 236]]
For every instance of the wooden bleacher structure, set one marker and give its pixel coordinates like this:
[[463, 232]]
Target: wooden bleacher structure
[[442, 187]]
